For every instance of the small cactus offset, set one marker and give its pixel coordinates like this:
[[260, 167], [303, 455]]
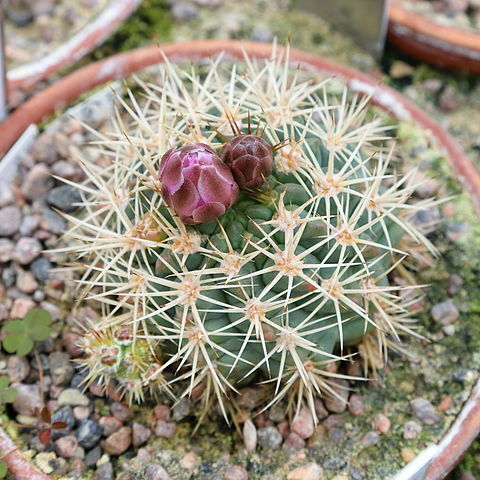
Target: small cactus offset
[[243, 230]]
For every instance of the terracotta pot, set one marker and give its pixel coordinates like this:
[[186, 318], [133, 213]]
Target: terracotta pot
[[25, 76], [69, 88], [436, 44]]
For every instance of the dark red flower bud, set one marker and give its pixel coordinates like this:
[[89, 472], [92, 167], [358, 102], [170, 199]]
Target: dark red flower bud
[[250, 159]]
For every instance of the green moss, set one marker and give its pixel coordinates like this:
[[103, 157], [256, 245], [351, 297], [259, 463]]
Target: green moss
[[150, 24]]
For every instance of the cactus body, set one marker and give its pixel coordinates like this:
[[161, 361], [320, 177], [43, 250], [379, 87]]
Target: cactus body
[[287, 277]]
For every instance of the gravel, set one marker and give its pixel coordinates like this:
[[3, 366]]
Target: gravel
[[10, 218], [89, 433], [424, 411], [269, 438], [445, 312]]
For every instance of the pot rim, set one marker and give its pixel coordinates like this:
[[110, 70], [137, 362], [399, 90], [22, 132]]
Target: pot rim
[[467, 425], [428, 40], [95, 32]]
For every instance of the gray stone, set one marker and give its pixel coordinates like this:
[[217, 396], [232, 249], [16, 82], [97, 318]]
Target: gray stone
[[411, 430], [53, 222], [182, 409], [17, 368], [64, 414], [64, 198], [28, 399], [104, 472], [37, 182], [338, 403], [61, 368], [6, 249], [156, 472], [41, 269], [26, 250], [269, 438], [26, 282], [6, 195], [44, 150], [370, 438], [89, 433], [28, 225], [262, 34], [184, 11], [140, 434], [455, 282], [10, 218], [424, 411], [444, 313], [93, 456]]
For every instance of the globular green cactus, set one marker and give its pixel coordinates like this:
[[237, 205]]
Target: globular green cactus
[[216, 288]]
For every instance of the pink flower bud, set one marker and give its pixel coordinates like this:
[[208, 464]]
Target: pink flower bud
[[250, 158], [196, 184]]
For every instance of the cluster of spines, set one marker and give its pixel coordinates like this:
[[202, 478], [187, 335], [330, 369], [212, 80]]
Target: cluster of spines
[[126, 236]]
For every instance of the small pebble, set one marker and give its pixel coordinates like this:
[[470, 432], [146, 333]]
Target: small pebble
[[382, 423], [81, 413], [445, 312], [37, 182], [235, 472], [165, 429], [104, 471], [6, 249], [156, 472], [269, 438], [310, 471], [109, 425], [17, 368], [64, 198], [121, 411], [424, 411], [455, 282], [407, 455], [89, 433], [28, 399], [302, 424], [73, 397], [184, 11], [411, 430], [10, 218], [118, 442], [66, 446], [293, 442], [190, 461], [26, 250], [61, 368], [370, 439], [249, 435], [338, 403], [356, 405], [140, 434], [162, 412], [93, 456]]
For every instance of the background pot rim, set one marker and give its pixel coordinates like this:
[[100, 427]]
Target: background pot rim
[[467, 425], [428, 40], [95, 32]]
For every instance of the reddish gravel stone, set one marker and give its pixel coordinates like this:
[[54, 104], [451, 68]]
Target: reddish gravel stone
[[109, 425], [302, 424], [162, 412], [20, 307], [66, 446], [118, 442], [165, 429], [293, 443], [140, 434], [356, 405], [382, 423], [235, 472], [121, 411], [338, 403]]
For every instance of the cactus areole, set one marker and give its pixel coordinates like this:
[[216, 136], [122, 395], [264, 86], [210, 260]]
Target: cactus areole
[[231, 261]]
